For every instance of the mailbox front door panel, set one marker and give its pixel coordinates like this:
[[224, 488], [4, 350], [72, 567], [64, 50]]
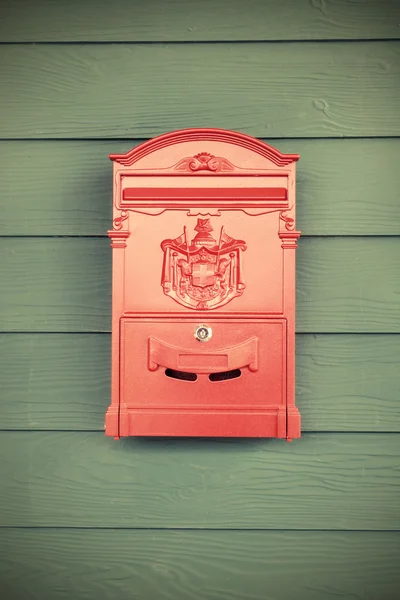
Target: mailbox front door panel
[[203, 302], [168, 377]]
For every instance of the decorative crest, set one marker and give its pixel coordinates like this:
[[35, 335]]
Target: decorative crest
[[202, 274], [204, 161]]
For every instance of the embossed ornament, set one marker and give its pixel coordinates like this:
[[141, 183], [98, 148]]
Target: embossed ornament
[[203, 274]]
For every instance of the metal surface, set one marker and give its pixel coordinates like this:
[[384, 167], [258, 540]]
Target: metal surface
[[204, 243]]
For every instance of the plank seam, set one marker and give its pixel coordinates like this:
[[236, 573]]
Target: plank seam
[[134, 139], [142, 140], [166, 42], [194, 529], [305, 432], [108, 332]]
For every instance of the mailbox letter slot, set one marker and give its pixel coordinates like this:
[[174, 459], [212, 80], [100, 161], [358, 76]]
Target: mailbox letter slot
[[180, 359]]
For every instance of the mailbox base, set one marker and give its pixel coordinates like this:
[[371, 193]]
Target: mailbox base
[[276, 423]]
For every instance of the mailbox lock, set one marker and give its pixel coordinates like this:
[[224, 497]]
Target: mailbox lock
[[203, 333]]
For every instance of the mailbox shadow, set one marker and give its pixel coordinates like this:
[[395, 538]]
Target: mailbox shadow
[[194, 443]]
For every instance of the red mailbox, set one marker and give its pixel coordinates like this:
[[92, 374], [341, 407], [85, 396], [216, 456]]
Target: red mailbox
[[203, 301]]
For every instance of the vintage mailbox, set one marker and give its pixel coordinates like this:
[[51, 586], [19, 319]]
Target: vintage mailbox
[[203, 300]]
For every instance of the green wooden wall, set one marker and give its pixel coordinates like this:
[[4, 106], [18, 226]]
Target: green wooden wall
[[83, 517]]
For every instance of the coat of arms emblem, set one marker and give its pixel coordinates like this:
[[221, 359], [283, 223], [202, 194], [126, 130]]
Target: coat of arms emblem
[[202, 274]]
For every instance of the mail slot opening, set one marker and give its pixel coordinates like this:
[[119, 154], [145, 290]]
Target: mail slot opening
[[182, 375], [225, 375]]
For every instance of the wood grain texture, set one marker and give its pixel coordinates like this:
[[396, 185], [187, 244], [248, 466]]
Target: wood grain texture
[[343, 285], [190, 20], [54, 381], [323, 481], [199, 565], [344, 187], [55, 284], [62, 382], [347, 382], [136, 91]]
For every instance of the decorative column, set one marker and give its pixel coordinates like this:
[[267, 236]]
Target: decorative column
[[118, 238], [289, 237]]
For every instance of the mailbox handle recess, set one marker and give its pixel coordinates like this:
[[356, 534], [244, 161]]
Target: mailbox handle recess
[[168, 356]]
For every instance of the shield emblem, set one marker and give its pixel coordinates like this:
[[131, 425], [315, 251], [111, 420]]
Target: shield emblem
[[203, 274]]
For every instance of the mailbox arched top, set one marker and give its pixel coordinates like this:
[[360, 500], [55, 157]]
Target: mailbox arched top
[[226, 137]]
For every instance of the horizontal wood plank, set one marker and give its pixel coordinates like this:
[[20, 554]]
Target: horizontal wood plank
[[190, 20], [137, 91], [344, 187], [347, 382], [343, 285], [55, 284], [200, 565], [62, 382], [322, 481], [54, 381]]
